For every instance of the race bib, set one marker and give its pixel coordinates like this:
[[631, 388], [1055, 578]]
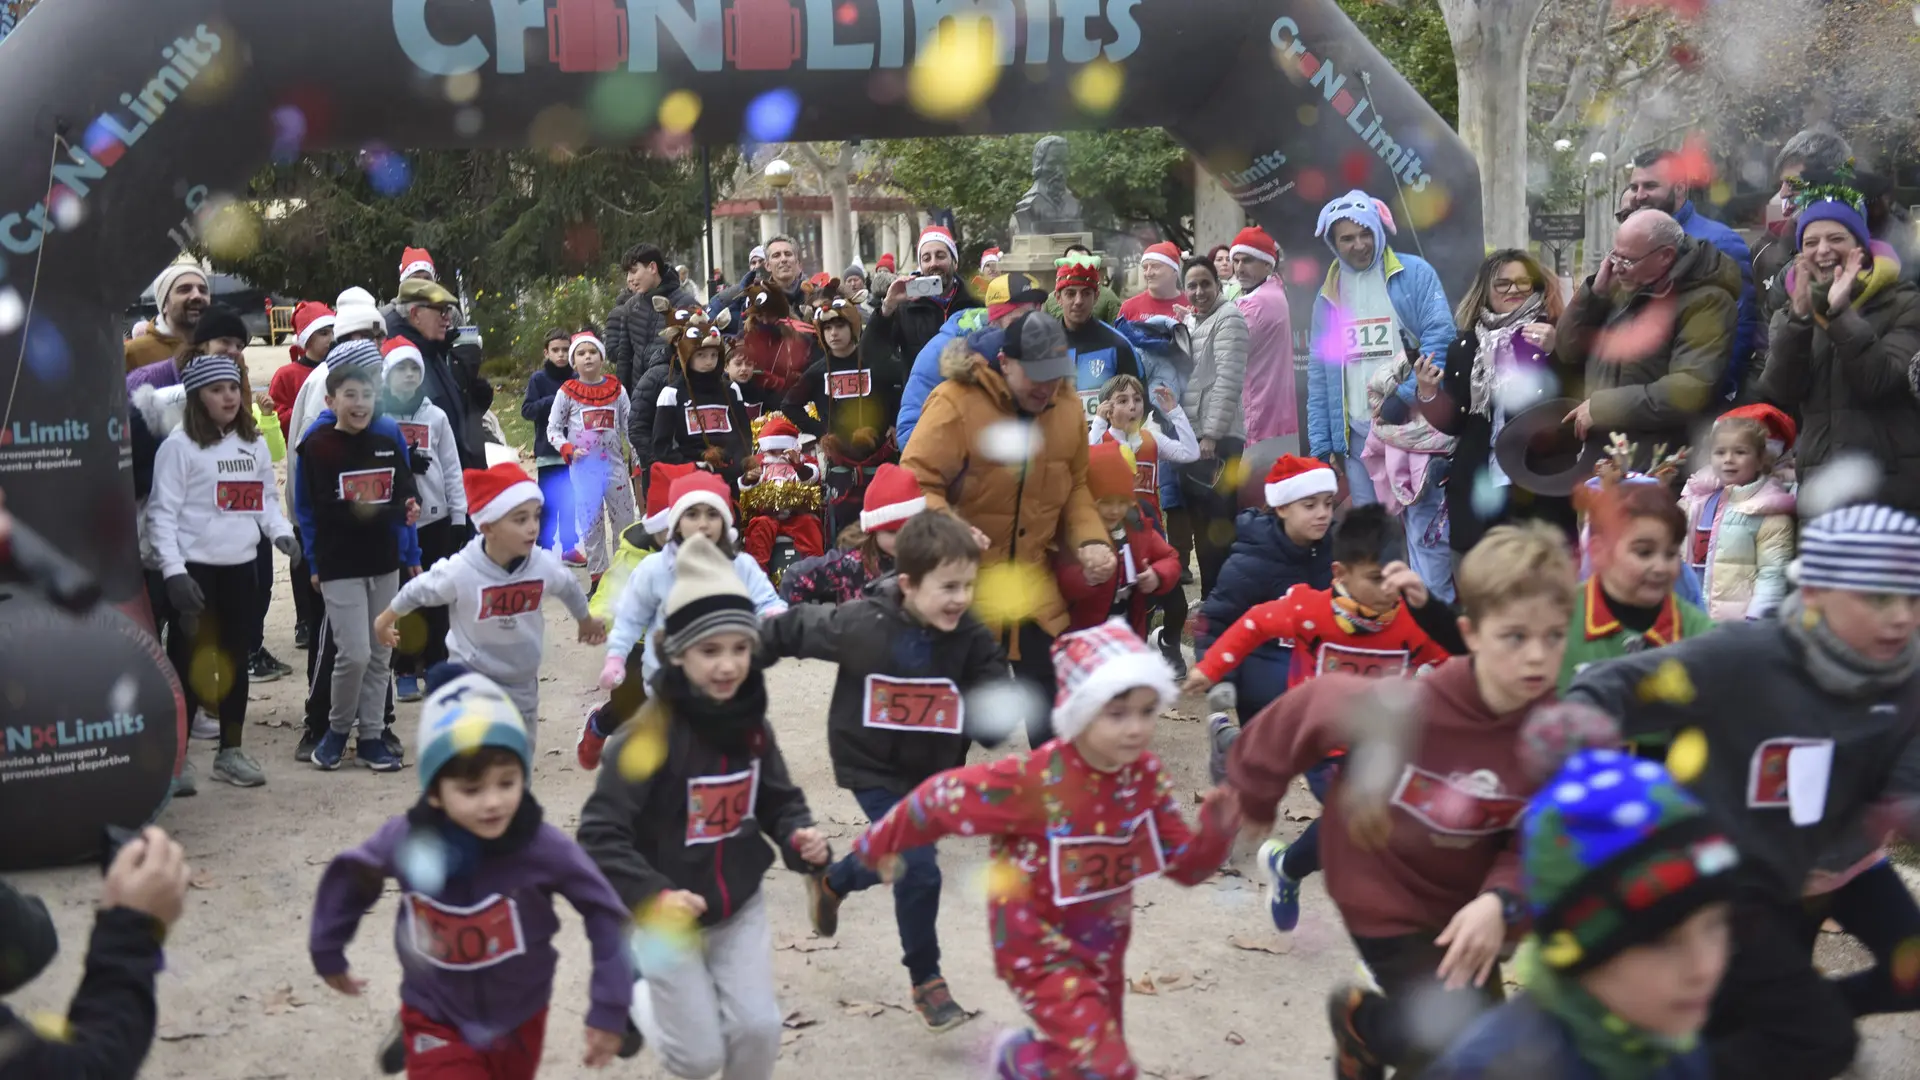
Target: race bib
[[505, 601], [709, 420], [367, 486], [1372, 663], [1770, 775], [849, 384], [465, 938], [1090, 867], [1146, 477], [1368, 340], [719, 806], [1460, 806], [913, 705], [240, 496], [1090, 399], [417, 436], [598, 419]]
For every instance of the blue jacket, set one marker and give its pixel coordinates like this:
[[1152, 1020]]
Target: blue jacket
[[537, 404], [926, 369], [1518, 1041], [1262, 566], [1419, 302], [408, 535], [1747, 330]]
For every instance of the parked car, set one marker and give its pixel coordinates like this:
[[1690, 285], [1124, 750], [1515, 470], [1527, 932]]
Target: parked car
[[238, 293]]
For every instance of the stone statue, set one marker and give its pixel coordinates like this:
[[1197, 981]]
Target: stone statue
[[1048, 207]]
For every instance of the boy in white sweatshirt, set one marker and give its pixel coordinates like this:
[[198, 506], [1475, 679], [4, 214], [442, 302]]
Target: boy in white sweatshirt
[[588, 425], [442, 493], [495, 586]]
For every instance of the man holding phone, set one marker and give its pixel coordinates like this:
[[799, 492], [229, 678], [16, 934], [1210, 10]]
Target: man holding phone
[[916, 306]]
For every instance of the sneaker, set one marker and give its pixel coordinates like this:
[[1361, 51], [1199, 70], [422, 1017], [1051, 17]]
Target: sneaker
[[260, 668], [274, 662], [936, 1006], [573, 557], [236, 767], [1176, 659], [1186, 575], [304, 751], [823, 909], [205, 725], [631, 1042], [373, 753], [591, 743], [301, 640], [407, 688], [1283, 893], [593, 585], [1218, 724], [1351, 1058], [392, 1057], [187, 783], [329, 750], [393, 744]]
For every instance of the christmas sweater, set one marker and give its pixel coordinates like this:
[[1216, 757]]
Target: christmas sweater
[[1324, 639], [212, 504], [495, 625], [1594, 634], [590, 420], [838, 577]]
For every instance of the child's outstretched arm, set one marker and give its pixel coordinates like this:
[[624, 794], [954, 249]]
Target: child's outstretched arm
[[610, 991], [984, 799], [1192, 857], [349, 886], [1286, 739], [808, 632], [435, 587], [567, 588], [766, 599], [1271, 621]]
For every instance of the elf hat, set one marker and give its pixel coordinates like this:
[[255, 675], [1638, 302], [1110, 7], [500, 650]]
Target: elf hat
[[941, 235], [778, 433], [1164, 253], [415, 260], [697, 488], [1109, 470], [494, 493], [1096, 665], [585, 337], [396, 351], [1076, 269], [464, 715], [309, 318], [1253, 241], [1293, 478], [659, 491], [707, 597], [1615, 853], [893, 496], [1779, 426]]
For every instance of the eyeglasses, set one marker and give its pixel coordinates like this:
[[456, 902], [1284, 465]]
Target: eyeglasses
[[1512, 288], [1622, 263]]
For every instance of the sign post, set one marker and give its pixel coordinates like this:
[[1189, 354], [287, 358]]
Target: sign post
[[1558, 232]]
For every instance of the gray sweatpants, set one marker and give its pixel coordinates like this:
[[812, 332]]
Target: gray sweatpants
[[362, 666], [714, 1012]]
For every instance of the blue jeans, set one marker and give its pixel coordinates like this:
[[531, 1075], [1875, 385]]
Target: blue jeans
[[1261, 680], [1428, 547], [1303, 855], [1359, 484], [916, 893]]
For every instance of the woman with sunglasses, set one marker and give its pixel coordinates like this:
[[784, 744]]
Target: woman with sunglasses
[[1501, 362]]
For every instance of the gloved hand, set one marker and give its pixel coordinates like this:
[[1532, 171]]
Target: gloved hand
[[613, 672], [420, 460], [567, 453], [185, 595], [288, 546]]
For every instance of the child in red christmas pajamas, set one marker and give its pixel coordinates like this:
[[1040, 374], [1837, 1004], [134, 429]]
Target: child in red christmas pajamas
[[1075, 824]]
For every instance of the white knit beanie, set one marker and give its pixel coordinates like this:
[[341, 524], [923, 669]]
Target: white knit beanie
[[1094, 666]]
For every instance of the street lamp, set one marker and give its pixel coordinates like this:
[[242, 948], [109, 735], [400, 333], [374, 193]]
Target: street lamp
[[780, 175]]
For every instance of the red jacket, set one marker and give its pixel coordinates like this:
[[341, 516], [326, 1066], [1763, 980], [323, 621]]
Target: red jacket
[[285, 386], [1304, 620], [1090, 605]]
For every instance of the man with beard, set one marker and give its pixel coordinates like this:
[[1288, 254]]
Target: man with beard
[[427, 309], [633, 329], [1658, 182], [904, 324], [180, 294]]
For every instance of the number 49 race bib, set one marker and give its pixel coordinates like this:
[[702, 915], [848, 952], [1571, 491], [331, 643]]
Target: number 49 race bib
[[719, 806]]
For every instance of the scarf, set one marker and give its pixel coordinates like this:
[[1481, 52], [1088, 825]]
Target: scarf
[[1612, 1047], [736, 726], [1495, 355], [397, 407], [1834, 665], [464, 849], [1354, 618]]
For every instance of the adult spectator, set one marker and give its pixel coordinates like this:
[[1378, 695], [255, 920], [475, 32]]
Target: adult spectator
[[989, 269], [1373, 296], [1270, 400], [633, 329], [427, 310], [778, 265], [1501, 363], [1657, 183], [416, 264], [1106, 307], [217, 331], [1099, 352], [1222, 259], [1817, 153], [1025, 509], [1653, 331], [1003, 306], [1843, 349], [757, 260], [854, 281], [1164, 296], [110, 1022], [1213, 406], [902, 324], [180, 295]]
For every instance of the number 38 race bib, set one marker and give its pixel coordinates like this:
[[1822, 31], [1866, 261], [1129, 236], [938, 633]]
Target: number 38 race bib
[[718, 806], [1090, 867], [465, 938], [913, 705]]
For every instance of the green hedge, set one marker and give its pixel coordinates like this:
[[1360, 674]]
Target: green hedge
[[515, 327]]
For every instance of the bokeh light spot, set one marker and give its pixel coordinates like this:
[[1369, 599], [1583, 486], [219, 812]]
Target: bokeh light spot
[[622, 103], [771, 116], [210, 674], [1668, 685], [1428, 208], [1010, 592], [1687, 757], [1097, 86], [680, 111], [13, 310], [463, 88], [232, 229], [642, 754], [955, 70]]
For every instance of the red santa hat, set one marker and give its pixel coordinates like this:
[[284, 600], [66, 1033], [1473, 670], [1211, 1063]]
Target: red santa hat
[[893, 496], [1294, 478], [885, 262], [660, 493], [494, 493], [778, 433], [1779, 426], [1253, 240], [396, 351], [1094, 666], [697, 488], [938, 234], [991, 255], [413, 260], [1164, 253], [309, 318], [586, 337]]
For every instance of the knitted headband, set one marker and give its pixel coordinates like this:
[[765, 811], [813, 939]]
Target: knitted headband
[[357, 353], [207, 370]]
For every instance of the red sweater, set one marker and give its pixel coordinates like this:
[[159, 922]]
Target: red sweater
[[1090, 605], [285, 386], [1145, 305], [1304, 619], [1455, 808]]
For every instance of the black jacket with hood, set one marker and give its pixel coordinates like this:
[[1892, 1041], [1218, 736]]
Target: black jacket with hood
[[898, 339], [112, 1014], [447, 388], [633, 330]]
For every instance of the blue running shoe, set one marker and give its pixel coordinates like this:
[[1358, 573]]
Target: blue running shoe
[[333, 747], [374, 754], [407, 688], [1283, 893]]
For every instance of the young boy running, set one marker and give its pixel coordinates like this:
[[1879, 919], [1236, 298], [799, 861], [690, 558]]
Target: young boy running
[[907, 652]]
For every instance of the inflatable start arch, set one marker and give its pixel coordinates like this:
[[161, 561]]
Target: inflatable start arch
[[119, 121]]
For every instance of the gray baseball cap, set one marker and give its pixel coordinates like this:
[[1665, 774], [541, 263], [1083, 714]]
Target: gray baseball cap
[[1039, 342]]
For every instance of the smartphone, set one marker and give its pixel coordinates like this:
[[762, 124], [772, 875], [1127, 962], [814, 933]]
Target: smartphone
[[923, 288], [115, 838]]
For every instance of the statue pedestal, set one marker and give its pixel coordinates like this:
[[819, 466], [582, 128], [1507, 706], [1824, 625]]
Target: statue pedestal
[[1030, 258]]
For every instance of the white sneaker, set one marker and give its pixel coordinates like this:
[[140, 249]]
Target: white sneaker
[[204, 726]]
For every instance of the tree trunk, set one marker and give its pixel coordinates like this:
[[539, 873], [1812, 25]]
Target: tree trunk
[[1492, 44], [836, 239]]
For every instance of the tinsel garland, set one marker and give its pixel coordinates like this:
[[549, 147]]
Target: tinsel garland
[[780, 497]]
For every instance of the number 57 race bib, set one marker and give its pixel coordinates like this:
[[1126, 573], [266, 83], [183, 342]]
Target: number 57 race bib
[[465, 938], [719, 806], [1090, 867], [931, 705]]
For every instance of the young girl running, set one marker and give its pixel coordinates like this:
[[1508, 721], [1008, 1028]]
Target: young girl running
[[588, 425], [213, 499]]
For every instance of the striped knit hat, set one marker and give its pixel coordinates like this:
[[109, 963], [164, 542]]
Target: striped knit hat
[[357, 353], [1866, 548], [207, 370], [707, 598]]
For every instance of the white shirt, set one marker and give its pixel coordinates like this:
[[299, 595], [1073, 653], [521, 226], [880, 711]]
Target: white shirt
[[496, 625], [212, 504]]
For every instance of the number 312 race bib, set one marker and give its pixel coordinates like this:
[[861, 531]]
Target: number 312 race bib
[[931, 705], [1090, 867], [718, 806]]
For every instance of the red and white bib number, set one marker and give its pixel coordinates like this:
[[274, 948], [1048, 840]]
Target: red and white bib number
[[1090, 867], [1372, 663], [240, 496], [518, 598], [1456, 806], [367, 486], [849, 384], [709, 420], [1146, 477], [932, 705], [465, 938], [417, 436], [597, 419], [719, 806]]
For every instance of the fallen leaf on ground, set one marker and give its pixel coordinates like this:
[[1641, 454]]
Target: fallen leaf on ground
[[1274, 942], [1173, 980], [202, 880], [280, 999], [788, 1037], [555, 752], [1306, 814], [194, 1028], [808, 944], [273, 721], [1142, 983], [797, 1019], [864, 1008], [1234, 1038]]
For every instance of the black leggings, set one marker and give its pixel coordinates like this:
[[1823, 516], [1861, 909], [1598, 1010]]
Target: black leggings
[[1774, 1014], [262, 565], [1876, 908], [1035, 668], [222, 639]]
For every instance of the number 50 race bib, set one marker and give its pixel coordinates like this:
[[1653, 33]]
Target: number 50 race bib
[[718, 806], [1090, 867], [465, 938], [931, 705]]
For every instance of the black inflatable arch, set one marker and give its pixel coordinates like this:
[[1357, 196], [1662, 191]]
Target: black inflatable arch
[[118, 121]]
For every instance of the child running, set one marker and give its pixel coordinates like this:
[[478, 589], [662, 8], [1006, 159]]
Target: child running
[[1740, 526], [1145, 564], [588, 425], [1628, 604], [1075, 824], [676, 829], [907, 653], [1418, 843], [475, 926], [213, 499], [639, 540], [557, 528], [494, 587], [843, 574], [442, 525]]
